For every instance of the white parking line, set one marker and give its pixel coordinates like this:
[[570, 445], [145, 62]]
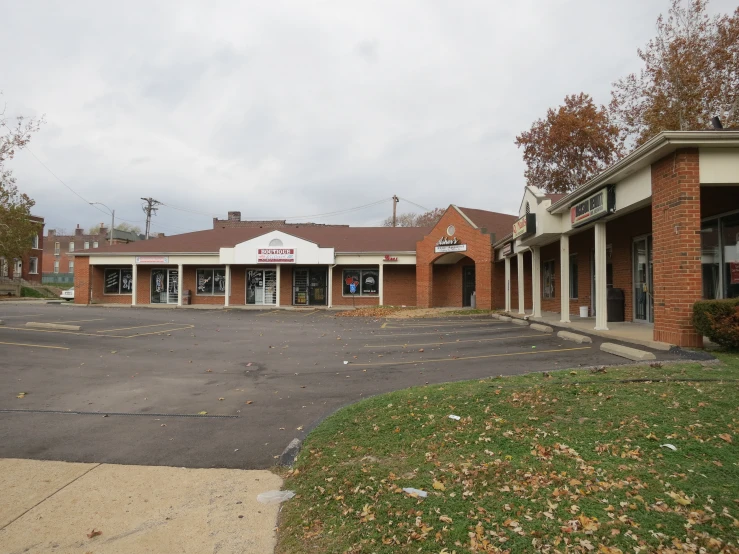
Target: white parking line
[[441, 343]]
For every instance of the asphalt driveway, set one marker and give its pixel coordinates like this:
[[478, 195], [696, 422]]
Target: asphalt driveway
[[229, 388]]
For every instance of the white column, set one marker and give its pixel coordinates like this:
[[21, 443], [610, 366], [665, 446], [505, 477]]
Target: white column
[[564, 278], [536, 280], [228, 285], [382, 284], [519, 258], [507, 285], [330, 285], [277, 284], [601, 307], [179, 284], [134, 284]]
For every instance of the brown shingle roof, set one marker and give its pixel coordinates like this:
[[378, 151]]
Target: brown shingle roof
[[345, 239], [494, 222]]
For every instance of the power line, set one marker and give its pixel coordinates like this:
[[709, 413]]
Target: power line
[[417, 205]]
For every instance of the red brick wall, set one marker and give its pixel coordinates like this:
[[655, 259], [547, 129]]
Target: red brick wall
[[676, 214], [479, 249], [143, 285], [337, 288], [238, 286], [400, 285], [82, 280], [499, 291]]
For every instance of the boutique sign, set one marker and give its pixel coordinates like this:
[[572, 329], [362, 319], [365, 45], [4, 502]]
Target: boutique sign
[[276, 255], [593, 207], [524, 226], [449, 245]]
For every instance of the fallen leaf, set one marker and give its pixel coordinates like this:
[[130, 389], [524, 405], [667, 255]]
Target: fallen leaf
[[21, 395], [249, 401], [221, 398], [445, 519], [202, 413], [724, 436], [439, 486], [94, 533]]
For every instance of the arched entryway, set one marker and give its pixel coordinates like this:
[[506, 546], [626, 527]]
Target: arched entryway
[[453, 280]]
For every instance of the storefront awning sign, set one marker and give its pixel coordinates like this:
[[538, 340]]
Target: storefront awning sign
[[152, 259], [449, 245], [276, 255], [508, 249], [593, 207], [524, 226]]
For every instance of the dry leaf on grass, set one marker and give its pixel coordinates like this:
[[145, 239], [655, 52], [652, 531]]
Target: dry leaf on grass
[[94, 533]]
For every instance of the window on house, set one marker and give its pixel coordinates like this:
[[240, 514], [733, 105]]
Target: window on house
[[118, 281], [366, 282], [210, 282], [71, 267], [56, 266], [56, 249], [573, 277], [3, 267], [548, 289], [35, 242], [33, 266], [95, 244], [87, 245], [71, 246]]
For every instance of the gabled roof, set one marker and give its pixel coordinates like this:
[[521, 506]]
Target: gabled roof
[[494, 222], [343, 240]]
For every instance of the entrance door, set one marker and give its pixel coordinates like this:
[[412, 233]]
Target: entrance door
[[164, 284], [261, 286], [468, 284], [309, 286], [643, 280]]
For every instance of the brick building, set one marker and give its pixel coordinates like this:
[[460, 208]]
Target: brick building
[[648, 237], [29, 266], [59, 249], [234, 220]]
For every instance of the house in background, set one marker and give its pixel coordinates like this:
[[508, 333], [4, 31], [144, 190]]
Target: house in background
[[28, 267], [58, 266]]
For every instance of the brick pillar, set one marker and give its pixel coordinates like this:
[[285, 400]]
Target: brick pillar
[[424, 284], [676, 224], [484, 285], [82, 280]]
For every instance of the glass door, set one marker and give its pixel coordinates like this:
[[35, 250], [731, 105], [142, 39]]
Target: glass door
[[468, 284], [300, 287], [643, 280], [317, 291], [164, 283], [261, 286]]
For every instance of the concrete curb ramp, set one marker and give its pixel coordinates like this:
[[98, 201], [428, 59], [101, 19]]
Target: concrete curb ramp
[[521, 322], [542, 328], [504, 318], [566, 335], [58, 326], [626, 352]]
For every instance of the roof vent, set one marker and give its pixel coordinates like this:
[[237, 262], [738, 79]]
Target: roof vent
[[528, 208]]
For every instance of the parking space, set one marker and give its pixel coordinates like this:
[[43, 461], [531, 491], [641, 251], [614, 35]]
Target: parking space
[[229, 388]]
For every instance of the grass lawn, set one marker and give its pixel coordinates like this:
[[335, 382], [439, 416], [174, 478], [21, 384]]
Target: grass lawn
[[563, 462]]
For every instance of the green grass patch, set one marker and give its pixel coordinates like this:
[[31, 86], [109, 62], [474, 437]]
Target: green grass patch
[[28, 292], [569, 461]]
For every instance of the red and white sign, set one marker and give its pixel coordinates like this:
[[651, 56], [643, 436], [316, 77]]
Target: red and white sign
[[152, 259], [275, 255], [389, 258], [734, 269]]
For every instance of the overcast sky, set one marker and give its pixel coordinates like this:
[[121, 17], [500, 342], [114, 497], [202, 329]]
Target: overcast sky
[[283, 109]]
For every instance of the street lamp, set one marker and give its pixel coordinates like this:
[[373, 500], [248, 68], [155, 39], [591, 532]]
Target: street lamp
[[112, 220]]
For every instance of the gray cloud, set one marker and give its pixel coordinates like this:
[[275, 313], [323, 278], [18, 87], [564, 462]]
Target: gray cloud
[[288, 108]]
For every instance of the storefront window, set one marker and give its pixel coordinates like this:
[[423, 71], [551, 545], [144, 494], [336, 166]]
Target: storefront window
[[730, 242], [364, 282], [710, 259], [211, 282], [548, 270], [118, 281], [573, 277]]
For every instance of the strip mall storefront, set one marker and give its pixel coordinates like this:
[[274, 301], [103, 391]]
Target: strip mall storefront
[[640, 243]]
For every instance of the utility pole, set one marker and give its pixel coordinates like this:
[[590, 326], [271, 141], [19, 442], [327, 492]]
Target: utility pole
[[395, 207], [149, 208]]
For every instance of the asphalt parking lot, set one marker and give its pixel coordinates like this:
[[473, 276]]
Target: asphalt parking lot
[[229, 388]]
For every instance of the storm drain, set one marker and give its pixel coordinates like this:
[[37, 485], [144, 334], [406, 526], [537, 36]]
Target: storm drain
[[125, 414]]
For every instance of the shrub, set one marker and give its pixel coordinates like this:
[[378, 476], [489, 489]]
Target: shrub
[[718, 320], [30, 293]]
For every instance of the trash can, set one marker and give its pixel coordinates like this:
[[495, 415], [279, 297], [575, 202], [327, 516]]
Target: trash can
[[186, 297], [615, 301], [473, 300], [583, 311]]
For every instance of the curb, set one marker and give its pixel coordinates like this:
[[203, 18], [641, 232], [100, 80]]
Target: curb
[[287, 458], [566, 335], [59, 326], [626, 352], [543, 328], [521, 322]]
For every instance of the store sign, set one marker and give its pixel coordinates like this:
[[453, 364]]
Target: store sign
[[388, 258], [734, 269], [508, 249], [593, 207], [276, 255], [449, 245], [524, 226], [152, 259]]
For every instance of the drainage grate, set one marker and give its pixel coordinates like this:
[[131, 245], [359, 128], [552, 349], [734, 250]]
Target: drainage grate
[[116, 414]]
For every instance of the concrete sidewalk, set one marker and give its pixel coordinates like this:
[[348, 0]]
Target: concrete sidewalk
[[53, 506]]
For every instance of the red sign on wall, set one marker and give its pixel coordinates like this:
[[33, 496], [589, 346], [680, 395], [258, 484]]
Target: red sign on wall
[[734, 270], [275, 255], [389, 258]]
